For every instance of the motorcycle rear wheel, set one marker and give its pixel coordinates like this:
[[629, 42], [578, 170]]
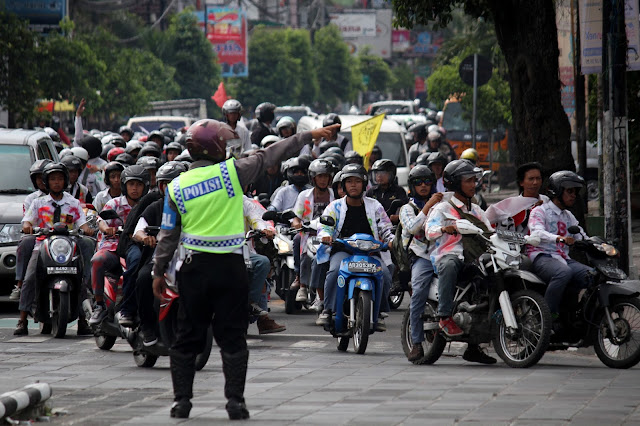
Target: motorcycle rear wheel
[[105, 342], [203, 357], [144, 359], [623, 351], [60, 315], [433, 344], [529, 343], [362, 327]]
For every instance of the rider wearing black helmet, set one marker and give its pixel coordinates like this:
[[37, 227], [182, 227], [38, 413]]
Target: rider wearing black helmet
[[295, 171], [309, 205], [157, 137], [76, 189], [265, 114], [352, 157], [126, 132], [150, 149], [232, 112], [342, 142], [437, 162], [413, 217], [133, 148], [151, 165], [460, 177], [551, 222], [386, 189], [44, 212], [112, 173], [172, 150], [420, 146], [354, 214]]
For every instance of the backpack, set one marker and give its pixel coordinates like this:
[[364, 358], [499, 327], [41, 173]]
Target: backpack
[[399, 251], [473, 245]]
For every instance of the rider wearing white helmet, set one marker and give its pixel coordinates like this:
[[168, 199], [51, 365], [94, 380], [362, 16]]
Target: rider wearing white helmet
[[232, 111]]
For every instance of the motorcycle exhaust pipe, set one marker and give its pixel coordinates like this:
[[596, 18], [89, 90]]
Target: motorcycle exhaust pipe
[[507, 310], [352, 312]]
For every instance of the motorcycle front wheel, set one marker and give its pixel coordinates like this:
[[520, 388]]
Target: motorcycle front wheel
[[623, 350], [362, 327], [525, 346], [433, 344], [60, 315]]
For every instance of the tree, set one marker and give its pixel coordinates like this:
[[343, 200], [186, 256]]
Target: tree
[[380, 77], [274, 74], [299, 46], [18, 75], [403, 81], [338, 75], [527, 34]]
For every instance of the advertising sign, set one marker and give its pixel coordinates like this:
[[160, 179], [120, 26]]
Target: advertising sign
[[424, 44], [227, 32], [380, 43], [400, 40], [43, 16], [565, 63], [355, 24]]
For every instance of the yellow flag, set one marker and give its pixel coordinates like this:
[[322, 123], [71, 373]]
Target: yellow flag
[[365, 135]]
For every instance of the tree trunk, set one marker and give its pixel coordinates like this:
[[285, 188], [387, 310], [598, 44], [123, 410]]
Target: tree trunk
[[527, 33]]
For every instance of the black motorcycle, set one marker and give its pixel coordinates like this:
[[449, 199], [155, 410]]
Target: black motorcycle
[[59, 279], [607, 314]]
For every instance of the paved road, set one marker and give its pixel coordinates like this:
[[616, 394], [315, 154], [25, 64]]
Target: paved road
[[298, 377]]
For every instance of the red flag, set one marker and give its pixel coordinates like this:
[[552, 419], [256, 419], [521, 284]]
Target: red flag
[[221, 95]]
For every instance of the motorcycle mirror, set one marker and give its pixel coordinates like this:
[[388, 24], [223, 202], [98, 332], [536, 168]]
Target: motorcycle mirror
[[89, 206], [108, 214], [327, 220], [467, 228], [574, 229], [287, 215], [269, 215]]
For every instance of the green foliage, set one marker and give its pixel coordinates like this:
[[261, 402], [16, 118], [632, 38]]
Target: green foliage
[[438, 13], [338, 75], [494, 108], [380, 76], [274, 74], [18, 75], [299, 46], [403, 81]]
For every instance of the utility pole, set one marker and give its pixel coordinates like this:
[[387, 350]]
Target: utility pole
[[615, 150]]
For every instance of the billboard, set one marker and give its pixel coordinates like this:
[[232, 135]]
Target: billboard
[[379, 41], [355, 24], [226, 29], [43, 16]]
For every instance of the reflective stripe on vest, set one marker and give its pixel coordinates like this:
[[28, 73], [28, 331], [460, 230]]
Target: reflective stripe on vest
[[209, 200]]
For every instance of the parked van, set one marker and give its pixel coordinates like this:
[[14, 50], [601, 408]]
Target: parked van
[[19, 149], [390, 139]]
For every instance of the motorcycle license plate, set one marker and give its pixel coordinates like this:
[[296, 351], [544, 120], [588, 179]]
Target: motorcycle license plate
[[366, 267], [62, 270]]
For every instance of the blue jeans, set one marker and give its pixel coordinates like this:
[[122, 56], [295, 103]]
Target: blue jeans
[[23, 254], [448, 267], [261, 267], [331, 282], [558, 275], [318, 274], [421, 277], [129, 302]]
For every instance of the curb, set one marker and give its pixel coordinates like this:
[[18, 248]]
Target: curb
[[18, 400]]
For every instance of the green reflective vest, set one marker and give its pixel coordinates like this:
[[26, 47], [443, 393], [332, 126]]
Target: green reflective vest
[[209, 200]]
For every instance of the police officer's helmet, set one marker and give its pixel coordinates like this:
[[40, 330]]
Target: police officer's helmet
[[207, 140]]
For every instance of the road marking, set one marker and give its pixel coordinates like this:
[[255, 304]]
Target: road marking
[[308, 344], [29, 339]]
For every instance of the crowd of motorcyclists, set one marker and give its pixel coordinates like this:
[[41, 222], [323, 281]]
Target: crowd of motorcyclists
[[171, 179]]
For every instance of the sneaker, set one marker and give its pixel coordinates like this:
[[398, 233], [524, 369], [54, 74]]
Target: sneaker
[[83, 327], [318, 305], [149, 338], [267, 326], [255, 310], [380, 325], [302, 295], [323, 318], [384, 315], [15, 293], [450, 328], [416, 353], [124, 319], [296, 283], [475, 354], [99, 313], [21, 328]]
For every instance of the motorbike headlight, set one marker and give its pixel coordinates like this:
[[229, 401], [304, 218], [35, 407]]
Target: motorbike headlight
[[60, 250], [10, 233], [283, 247], [365, 245], [609, 250]]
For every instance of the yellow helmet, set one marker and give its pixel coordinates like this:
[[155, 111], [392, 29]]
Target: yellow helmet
[[470, 154]]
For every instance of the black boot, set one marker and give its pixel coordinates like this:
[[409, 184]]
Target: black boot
[[234, 367], [183, 369]]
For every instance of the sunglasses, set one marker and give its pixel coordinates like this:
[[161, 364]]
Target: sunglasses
[[418, 182]]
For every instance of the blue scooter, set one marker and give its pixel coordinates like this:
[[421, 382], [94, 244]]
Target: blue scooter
[[359, 278]]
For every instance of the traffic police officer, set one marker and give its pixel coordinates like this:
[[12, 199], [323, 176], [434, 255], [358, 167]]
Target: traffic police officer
[[204, 212]]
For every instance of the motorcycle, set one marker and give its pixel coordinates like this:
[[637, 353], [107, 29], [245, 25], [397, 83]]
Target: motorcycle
[[606, 314], [493, 302], [355, 314], [59, 280]]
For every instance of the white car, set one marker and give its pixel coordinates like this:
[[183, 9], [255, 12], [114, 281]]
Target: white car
[[390, 139], [399, 111]]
